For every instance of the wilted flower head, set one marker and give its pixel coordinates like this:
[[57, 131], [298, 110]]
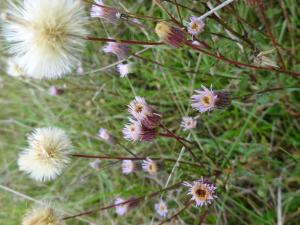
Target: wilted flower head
[[55, 91], [202, 193], [104, 135], [127, 166], [170, 34], [188, 123], [42, 216], [161, 208], [46, 155], [119, 49], [46, 36], [13, 69], [150, 166], [101, 11], [195, 26], [121, 209], [124, 69], [144, 113], [223, 100], [95, 164], [262, 60], [205, 99]]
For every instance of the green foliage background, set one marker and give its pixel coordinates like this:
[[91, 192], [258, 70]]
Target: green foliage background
[[260, 138]]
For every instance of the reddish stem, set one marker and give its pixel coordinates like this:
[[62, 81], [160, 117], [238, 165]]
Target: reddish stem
[[132, 42], [132, 158], [236, 63]]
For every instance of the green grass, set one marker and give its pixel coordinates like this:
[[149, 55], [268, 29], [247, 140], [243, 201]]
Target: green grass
[[255, 144]]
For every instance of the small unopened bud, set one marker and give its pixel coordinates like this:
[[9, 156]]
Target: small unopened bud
[[170, 34], [55, 91]]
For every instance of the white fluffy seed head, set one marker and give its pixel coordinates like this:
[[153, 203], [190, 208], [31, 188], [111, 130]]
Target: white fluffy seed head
[[43, 35], [42, 216], [46, 155]]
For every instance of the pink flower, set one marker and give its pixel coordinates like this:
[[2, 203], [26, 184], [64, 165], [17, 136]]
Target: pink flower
[[150, 166], [124, 69], [121, 209], [120, 50], [161, 208], [195, 26], [55, 91], [188, 123], [105, 136], [133, 130], [144, 113], [127, 166], [202, 193], [205, 99], [107, 13]]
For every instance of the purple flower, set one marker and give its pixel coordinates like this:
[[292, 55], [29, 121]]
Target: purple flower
[[119, 49], [205, 100], [202, 193], [161, 208], [121, 209], [107, 13], [188, 123], [124, 69], [195, 26], [127, 166], [55, 91], [150, 166]]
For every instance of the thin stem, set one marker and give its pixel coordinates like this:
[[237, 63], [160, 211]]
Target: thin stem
[[125, 202], [178, 11], [215, 9], [131, 42], [180, 140], [236, 63], [133, 159], [269, 32]]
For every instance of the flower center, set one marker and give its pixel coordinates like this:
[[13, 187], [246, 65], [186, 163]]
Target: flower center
[[139, 108], [206, 100], [194, 26]]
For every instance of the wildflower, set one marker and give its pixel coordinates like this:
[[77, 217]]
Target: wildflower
[[95, 164], [170, 34], [101, 11], [46, 155], [205, 100], [195, 26], [127, 166], [262, 60], [150, 166], [13, 69], [104, 135], [161, 208], [188, 123], [124, 69], [135, 131], [144, 113], [119, 49], [46, 36], [55, 91], [132, 131], [202, 193], [121, 209], [42, 216]]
